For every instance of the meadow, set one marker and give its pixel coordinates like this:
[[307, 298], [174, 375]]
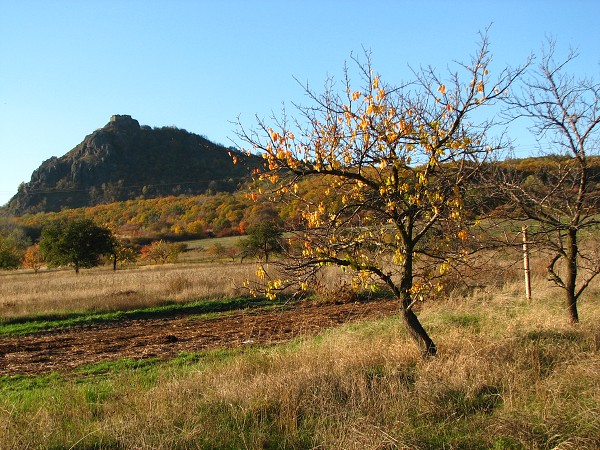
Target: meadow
[[510, 374]]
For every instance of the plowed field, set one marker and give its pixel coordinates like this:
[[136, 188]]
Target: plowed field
[[66, 349]]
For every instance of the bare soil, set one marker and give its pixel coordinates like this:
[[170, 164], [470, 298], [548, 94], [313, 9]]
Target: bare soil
[[65, 349]]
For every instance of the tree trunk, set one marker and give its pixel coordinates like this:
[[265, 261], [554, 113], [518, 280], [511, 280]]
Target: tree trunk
[[418, 333], [416, 330], [571, 276]]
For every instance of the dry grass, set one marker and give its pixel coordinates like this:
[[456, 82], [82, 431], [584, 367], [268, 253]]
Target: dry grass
[[25, 294], [511, 374]]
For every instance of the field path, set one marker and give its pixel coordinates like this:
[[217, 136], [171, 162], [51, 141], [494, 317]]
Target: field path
[[65, 349]]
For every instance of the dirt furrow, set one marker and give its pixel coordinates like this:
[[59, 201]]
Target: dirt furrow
[[66, 349]]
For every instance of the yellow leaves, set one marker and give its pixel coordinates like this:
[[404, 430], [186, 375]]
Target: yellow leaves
[[374, 109], [405, 127], [233, 157], [275, 284], [442, 89], [347, 157], [275, 136], [480, 87], [444, 267], [348, 116], [463, 235], [356, 95], [416, 288], [376, 83]]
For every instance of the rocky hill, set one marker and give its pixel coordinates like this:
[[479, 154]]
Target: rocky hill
[[123, 161]]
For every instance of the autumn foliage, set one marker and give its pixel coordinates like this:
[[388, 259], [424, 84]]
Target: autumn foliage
[[32, 258], [390, 165], [161, 252]]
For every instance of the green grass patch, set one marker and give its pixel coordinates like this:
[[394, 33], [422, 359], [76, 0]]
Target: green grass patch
[[24, 325], [464, 320]]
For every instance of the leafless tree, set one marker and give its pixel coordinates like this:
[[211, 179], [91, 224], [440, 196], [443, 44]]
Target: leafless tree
[[560, 195]]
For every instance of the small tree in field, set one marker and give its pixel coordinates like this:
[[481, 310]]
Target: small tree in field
[[123, 253], [263, 240], [561, 199], [392, 163], [77, 243], [161, 252], [32, 258], [217, 250]]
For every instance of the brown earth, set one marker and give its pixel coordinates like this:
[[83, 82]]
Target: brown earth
[[66, 349]]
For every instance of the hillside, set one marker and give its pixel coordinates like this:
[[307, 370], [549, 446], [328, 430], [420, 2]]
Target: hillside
[[123, 161]]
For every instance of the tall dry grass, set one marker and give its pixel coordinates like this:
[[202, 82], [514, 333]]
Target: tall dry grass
[[52, 292], [510, 374]]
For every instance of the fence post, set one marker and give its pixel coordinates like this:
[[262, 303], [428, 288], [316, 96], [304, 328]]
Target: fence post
[[526, 263]]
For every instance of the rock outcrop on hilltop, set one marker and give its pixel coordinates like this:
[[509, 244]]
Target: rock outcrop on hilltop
[[123, 161]]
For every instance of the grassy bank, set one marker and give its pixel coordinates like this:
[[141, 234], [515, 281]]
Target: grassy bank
[[511, 374]]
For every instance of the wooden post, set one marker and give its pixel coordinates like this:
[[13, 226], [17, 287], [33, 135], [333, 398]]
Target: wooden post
[[526, 263]]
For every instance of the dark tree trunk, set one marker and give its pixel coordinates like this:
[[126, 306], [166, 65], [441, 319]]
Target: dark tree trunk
[[115, 262], [418, 333], [416, 330], [571, 276]]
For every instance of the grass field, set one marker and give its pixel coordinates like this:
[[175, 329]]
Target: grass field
[[510, 374]]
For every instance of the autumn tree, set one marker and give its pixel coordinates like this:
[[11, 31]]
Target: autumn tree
[[233, 253], [161, 252], [32, 258], [218, 250], [122, 253], [391, 163], [78, 243], [561, 199]]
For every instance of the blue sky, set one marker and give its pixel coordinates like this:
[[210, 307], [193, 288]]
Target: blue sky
[[67, 66]]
